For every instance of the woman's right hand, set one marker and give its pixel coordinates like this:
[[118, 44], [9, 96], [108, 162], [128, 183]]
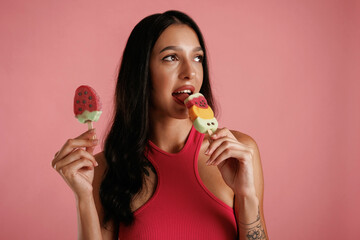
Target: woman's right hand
[[76, 164]]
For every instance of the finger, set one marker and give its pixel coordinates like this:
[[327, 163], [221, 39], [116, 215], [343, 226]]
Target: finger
[[216, 143], [90, 149], [223, 155], [77, 154], [243, 156], [66, 149], [71, 144], [88, 134], [222, 132], [71, 169], [224, 146], [53, 162]]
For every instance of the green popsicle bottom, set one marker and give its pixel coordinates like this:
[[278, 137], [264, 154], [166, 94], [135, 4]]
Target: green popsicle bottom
[[86, 115], [202, 125]]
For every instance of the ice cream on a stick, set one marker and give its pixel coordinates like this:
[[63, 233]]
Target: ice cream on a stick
[[87, 105], [201, 113]]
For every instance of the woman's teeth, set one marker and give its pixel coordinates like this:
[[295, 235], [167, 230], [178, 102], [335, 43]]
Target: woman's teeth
[[184, 91]]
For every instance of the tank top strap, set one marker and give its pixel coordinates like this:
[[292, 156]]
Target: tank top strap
[[191, 146], [165, 163]]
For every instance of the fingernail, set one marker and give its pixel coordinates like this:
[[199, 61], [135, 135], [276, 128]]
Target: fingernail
[[214, 136], [207, 151], [96, 164]]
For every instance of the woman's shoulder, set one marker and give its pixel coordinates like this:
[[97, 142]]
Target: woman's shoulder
[[243, 138]]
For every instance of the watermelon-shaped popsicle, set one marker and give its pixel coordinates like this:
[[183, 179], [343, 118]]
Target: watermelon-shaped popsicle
[[201, 113], [87, 105]]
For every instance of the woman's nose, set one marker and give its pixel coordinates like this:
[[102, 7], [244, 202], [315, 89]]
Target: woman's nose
[[187, 71]]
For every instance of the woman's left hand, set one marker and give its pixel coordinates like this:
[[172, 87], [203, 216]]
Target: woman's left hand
[[234, 160]]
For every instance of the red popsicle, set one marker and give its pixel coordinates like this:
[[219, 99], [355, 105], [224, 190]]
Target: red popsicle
[[87, 105]]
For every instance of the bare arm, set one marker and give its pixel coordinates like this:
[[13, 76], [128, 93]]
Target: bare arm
[[238, 159], [107, 231], [90, 211], [88, 219], [83, 173], [249, 209], [251, 224]]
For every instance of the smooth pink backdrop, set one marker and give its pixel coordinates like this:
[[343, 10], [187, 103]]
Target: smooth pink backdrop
[[284, 72]]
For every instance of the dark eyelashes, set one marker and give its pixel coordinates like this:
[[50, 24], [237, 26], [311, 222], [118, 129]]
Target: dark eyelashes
[[174, 57], [201, 58]]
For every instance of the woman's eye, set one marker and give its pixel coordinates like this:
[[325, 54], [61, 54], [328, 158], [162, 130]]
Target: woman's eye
[[170, 58], [199, 58]]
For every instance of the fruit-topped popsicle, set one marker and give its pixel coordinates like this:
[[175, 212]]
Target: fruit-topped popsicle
[[87, 105], [201, 113]]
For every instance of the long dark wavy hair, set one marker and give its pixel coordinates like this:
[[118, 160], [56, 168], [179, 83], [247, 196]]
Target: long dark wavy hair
[[128, 136]]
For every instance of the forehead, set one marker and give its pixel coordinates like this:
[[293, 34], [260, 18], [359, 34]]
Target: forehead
[[177, 35]]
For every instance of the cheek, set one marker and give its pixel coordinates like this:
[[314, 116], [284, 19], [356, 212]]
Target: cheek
[[160, 86], [159, 83], [200, 75], [162, 79]]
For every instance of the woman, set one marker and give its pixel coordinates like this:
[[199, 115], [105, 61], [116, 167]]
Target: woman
[[158, 178]]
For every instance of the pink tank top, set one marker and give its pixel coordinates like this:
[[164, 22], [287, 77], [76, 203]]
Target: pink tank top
[[181, 207]]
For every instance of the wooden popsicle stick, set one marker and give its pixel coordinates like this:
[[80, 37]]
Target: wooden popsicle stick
[[90, 126], [210, 133]]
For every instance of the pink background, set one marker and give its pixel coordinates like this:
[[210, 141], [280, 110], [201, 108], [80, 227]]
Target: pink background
[[284, 72]]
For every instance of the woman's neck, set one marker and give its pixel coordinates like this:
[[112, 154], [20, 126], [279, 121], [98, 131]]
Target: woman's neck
[[171, 135]]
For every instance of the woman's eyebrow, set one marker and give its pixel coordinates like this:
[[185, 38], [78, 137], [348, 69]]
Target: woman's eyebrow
[[196, 49]]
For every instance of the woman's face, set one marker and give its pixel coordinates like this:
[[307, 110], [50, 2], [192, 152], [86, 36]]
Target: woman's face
[[175, 65]]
